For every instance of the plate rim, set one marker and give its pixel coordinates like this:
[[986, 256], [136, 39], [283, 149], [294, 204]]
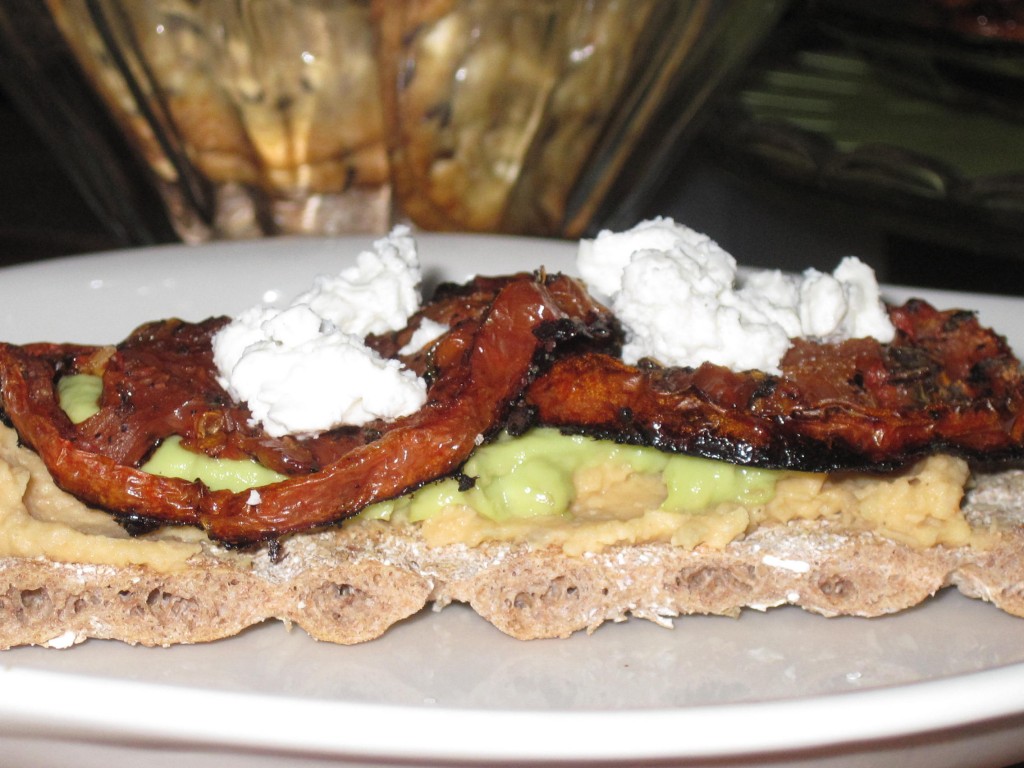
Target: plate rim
[[982, 696]]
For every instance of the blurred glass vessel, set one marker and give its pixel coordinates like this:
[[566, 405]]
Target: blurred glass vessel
[[259, 117], [910, 112]]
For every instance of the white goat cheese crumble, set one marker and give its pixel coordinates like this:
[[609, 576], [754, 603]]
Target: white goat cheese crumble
[[679, 299], [428, 332], [378, 294], [304, 369]]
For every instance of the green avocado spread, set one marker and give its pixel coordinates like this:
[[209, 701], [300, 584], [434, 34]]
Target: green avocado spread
[[534, 476], [171, 459], [79, 396], [512, 478]]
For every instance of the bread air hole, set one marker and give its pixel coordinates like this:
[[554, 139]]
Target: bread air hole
[[712, 582], [40, 604], [836, 586], [559, 589], [34, 603], [165, 604], [336, 598]]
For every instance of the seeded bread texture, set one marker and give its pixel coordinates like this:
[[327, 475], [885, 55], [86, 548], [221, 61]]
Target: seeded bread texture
[[350, 584]]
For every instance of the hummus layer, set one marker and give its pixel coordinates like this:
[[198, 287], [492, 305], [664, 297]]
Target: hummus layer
[[919, 508], [38, 519], [608, 502]]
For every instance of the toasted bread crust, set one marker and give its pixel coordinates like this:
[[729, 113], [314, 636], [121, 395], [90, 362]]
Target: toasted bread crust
[[349, 585]]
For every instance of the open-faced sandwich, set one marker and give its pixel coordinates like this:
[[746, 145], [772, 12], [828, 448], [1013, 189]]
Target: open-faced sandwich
[[658, 436]]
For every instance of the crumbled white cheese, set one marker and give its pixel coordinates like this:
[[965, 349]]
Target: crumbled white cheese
[[298, 377], [304, 369], [865, 313], [376, 295], [679, 298], [428, 332], [603, 260]]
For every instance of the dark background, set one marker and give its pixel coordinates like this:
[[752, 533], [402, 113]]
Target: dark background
[[761, 220], [760, 217], [41, 212], [757, 211]]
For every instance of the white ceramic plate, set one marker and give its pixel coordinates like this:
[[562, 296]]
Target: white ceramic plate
[[940, 685]]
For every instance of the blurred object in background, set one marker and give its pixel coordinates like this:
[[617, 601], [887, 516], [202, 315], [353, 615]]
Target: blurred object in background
[[68, 184], [909, 112], [263, 117], [31, 187]]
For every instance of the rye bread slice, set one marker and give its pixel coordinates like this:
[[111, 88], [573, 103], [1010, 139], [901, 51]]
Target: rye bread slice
[[348, 585]]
